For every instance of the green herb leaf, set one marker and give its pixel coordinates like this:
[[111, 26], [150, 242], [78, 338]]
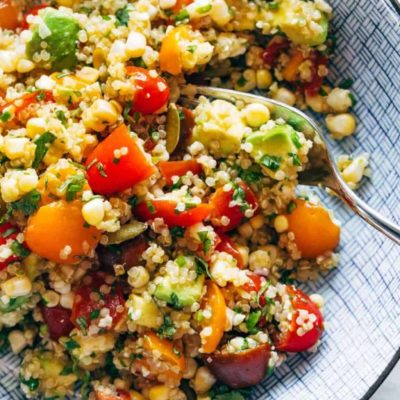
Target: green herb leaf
[[207, 244], [42, 146], [122, 16], [177, 232], [181, 261], [296, 140], [252, 321], [31, 383], [27, 204], [82, 323], [191, 48], [19, 250], [150, 206], [291, 207], [295, 158], [201, 267], [353, 99], [346, 83], [241, 81], [167, 329], [175, 302], [73, 186], [182, 16], [271, 162], [61, 116], [138, 62], [71, 344], [204, 9], [67, 370], [132, 201], [94, 314], [5, 116]]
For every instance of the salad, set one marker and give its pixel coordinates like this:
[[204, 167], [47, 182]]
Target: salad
[[149, 250]]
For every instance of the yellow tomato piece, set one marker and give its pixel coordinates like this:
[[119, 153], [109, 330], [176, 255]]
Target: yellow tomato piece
[[315, 231], [58, 232]]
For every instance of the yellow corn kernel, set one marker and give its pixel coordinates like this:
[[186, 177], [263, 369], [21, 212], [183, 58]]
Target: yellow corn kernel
[[24, 66], [93, 211], [263, 78], [285, 96], [159, 392], [88, 75], [257, 222], [281, 224], [341, 125], [256, 114], [17, 286], [135, 45], [98, 58], [15, 147], [35, 126]]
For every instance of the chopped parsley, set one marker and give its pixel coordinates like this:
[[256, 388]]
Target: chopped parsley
[[71, 344], [122, 16], [150, 207], [72, 186], [239, 196], [32, 383], [271, 162], [61, 116], [191, 48], [207, 244], [175, 302], [177, 232], [346, 83], [201, 267], [42, 146], [100, 168], [110, 367], [94, 314], [67, 370], [27, 204], [252, 321], [138, 62], [167, 329], [5, 116], [19, 250], [40, 96]]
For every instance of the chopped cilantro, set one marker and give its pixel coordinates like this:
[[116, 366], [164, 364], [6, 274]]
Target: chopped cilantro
[[175, 302], [138, 62], [72, 186], [110, 367], [322, 92], [67, 370], [353, 99], [5, 116], [177, 232], [42, 146], [245, 345], [122, 16], [182, 16], [27, 204], [239, 196], [291, 206], [127, 109], [61, 116], [201, 267], [252, 321], [71, 344], [241, 81], [273, 5], [94, 314], [204, 9], [223, 392], [181, 261], [167, 329], [19, 250], [271, 162], [132, 201], [32, 383], [40, 96], [150, 207], [205, 240]]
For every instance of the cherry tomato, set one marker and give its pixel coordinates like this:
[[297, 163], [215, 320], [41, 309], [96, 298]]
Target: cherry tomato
[[107, 174], [221, 200], [121, 395], [166, 209], [226, 245], [312, 88], [274, 48], [58, 321], [152, 92], [291, 340], [9, 14], [291, 69], [178, 168], [8, 235], [170, 53], [33, 11], [315, 232], [255, 285], [242, 369], [215, 301], [95, 295], [57, 231]]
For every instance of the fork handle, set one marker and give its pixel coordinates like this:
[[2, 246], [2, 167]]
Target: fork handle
[[377, 220]]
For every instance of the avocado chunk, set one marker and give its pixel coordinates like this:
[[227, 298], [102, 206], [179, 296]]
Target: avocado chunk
[[60, 32], [272, 147], [302, 22], [144, 311], [179, 295], [219, 127]]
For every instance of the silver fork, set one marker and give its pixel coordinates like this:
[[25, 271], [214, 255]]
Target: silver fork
[[321, 170]]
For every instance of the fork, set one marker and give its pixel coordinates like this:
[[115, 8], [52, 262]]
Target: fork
[[321, 170]]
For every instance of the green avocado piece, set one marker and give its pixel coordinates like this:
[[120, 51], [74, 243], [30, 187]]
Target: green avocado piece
[[279, 141], [60, 32], [180, 295]]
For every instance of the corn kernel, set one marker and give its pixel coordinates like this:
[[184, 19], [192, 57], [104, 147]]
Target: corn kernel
[[339, 100], [17, 286], [285, 96], [256, 114], [341, 125], [16, 183], [281, 224], [14, 147], [17, 341], [24, 66], [220, 12], [35, 126], [93, 211], [159, 392], [263, 78], [7, 61], [135, 45], [88, 75], [100, 113], [51, 298]]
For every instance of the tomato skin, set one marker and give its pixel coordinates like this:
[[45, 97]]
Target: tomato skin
[[242, 369], [220, 203], [106, 175], [152, 93], [3, 240], [178, 168], [33, 11], [312, 88], [254, 286], [58, 321], [274, 48], [84, 304], [9, 14], [290, 340], [166, 209], [315, 232], [226, 245]]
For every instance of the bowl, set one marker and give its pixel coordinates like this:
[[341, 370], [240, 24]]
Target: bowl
[[362, 340]]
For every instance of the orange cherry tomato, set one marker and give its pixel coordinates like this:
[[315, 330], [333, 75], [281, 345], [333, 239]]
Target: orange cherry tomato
[[165, 348], [291, 340], [85, 304], [107, 174], [33, 11], [57, 231], [221, 200], [291, 69], [170, 53], [166, 209], [226, 245], [152, 92], [178, 168], [9, 14], [215, 301], [315, 232]]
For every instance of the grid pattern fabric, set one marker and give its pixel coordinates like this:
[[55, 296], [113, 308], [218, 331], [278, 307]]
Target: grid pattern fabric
[[363, 294]]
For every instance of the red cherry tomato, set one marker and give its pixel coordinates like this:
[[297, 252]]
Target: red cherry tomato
[[9, 14], [33, 11], [178, 168], [255, 285], [274, 48], [107, 174], [8, 235], [152, 92], [166, 209], [92, 296], [291, 340], [58, 321], [221, 200], [226, 245], [312, 88]]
